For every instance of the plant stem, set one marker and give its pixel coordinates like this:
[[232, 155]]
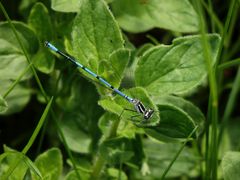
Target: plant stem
[[213, 106], [230, 105], [24, 51], [178, 153], [17, 81], [231, 63], [40, 86], [100, 161], [31, 140]]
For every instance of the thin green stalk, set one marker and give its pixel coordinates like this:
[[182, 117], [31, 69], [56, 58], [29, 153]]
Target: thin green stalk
[[229, 23], [61, 134], [235, 62], [178, 153], [40, 85], [214, 18], [211, 10], [45, 125], [17, 81], [153, 39], [39, 126], [230, 32], [232, 24], [213, 94], [225, 29], [41, 138], [31, 140], [234, 49], [100, 161], [24, 50], [113, 128], [98, 166], [214, 139], [207, 148], [230, 105]]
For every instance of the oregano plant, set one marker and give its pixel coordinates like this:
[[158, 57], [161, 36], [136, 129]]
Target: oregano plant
[[71, 122]]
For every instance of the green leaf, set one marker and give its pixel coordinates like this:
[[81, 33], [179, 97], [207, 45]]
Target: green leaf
[[17, 99], [22, 156], [19, 158], [105, 123], [49, 164], [66, 6], [192, 113], [175, 125], [13, 61], [125, 129], [159, 155], [231, 165], [96, 36], [116, 150], [79, 112], [32, 167], [38, 19], [141, 15], [233, 133], [119, 107], [115, 174], [178, 119], [175, 69], [77, 139], [113, 69], [3, 105], [44, 61], [116, 65], [11, 158], [73, 176], [25, 6], [84, 165]]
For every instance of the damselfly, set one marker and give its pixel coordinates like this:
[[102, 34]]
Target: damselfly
[[146, 113]]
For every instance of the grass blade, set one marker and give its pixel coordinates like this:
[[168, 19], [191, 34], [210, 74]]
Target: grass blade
[[178, 153], [31, 140]]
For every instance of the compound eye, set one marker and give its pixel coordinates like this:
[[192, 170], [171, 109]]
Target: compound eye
[[148, 114]]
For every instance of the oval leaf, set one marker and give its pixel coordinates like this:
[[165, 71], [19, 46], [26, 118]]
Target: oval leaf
[[126, 110], [49, 164], [66, 6], [231, 165], [113, 173], [117, 150], [38, 19], [175, 125], [193, 113], [72, 175], [13, 61], [160, 155], [13, 162], [17, 99], [96, 35], [178, 119], [175, 69], [141, 15], [79, 113], [124, 129]]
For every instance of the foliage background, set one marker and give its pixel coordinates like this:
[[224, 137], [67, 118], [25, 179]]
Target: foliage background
[[85, 121]]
